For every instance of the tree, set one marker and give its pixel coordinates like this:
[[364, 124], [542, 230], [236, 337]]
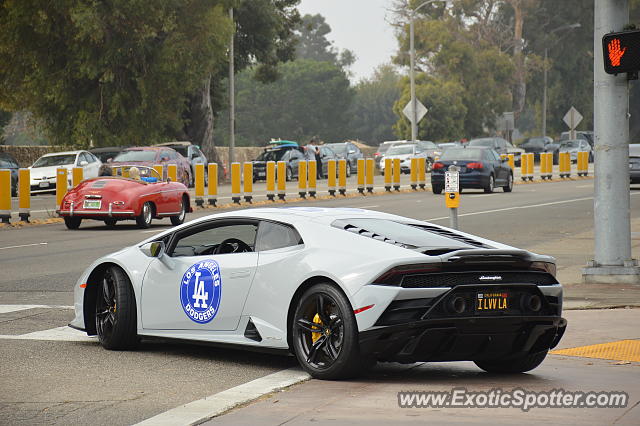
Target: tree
[[309, 99], [312, 43], [113, 72], [371, 113]]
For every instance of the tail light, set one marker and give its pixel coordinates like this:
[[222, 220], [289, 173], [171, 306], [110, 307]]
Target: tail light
[[393, 276], [437, 166], [544, 267], [477, 165]]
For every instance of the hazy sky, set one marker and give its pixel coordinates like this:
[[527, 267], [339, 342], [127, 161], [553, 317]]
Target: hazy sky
[[360, 26]]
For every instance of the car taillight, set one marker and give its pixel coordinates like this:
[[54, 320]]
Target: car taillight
[[437, 166], [477, 165], [544, 267], [394, 275]]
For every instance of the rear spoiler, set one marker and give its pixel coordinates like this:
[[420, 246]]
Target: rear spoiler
[[494, 256]]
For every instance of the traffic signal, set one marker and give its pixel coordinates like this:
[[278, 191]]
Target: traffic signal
[[621, 52]]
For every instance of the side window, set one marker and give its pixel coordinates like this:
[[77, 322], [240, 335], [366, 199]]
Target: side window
[[488, 155], [238, 237], [273, 236], [496, 156]]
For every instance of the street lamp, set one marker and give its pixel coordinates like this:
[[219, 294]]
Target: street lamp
[[544, 88], [412, 51]]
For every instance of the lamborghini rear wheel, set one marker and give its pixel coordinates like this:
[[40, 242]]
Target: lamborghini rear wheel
[[116, 311], [325, 334]]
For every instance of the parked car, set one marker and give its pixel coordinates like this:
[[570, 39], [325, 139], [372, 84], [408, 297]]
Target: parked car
[[501, 146], [192, 153], [106, 155], [431, 150], [580, 134], [348, 151], [480, 167], [574, 146], [378, 156], [7, 161], [326, 154], [536, 145], [152, 155], [338, 288], [634, 162], [290, 153], [115, 198], [405, 152], [43, 170]]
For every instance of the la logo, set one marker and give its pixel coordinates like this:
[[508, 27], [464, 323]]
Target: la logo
[[199, 295]]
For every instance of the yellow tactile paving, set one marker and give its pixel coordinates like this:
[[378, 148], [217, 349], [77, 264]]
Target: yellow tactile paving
[[622, 350]]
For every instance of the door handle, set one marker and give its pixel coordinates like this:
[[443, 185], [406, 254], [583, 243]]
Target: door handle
[[240, 274]]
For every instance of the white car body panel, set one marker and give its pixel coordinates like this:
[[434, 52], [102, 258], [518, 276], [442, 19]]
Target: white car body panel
[[260, 285], [48, 174]]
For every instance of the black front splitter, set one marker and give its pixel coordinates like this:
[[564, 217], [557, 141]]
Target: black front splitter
[[463, 339]]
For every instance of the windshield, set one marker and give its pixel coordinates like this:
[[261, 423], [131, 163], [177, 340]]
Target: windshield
[[427, 145], [274, 155], [461, 154], [338, 148], [182, 149], [481, 142], [401, 149], [570, 144], [104, 156], [135, 155], [55, 160]]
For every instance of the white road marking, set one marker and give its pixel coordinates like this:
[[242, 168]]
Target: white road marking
[[15, 308], [152, 231], [369, 207], [584, 186], [23, 245], [60, 334], [211, 406], [481, 195]]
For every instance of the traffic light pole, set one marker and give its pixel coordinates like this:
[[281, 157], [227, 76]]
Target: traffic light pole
[[612, 261]]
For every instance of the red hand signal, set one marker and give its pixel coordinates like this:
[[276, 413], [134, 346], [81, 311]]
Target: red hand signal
[[615, 54]]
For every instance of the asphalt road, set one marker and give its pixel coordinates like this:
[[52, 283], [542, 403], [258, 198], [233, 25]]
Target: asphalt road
[[75, 382]]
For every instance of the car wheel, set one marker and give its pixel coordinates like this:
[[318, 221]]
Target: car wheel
[[179, 219], [325, 334], [349, 172], [110, 222], [489, 188], [289, 175], [437, 189], [72, 222], [192, 180], [146, 215], [116, 311], [591, 157], [513, 365], [428, 166], [509, 186]]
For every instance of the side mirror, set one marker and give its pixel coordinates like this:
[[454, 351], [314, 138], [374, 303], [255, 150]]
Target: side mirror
[[153, 249], [83, 163]]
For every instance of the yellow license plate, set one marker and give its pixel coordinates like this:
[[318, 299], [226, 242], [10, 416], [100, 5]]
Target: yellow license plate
[[492, 301]]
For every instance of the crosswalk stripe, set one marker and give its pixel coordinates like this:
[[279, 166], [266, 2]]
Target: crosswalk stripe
[[61, 334], [4, 309]]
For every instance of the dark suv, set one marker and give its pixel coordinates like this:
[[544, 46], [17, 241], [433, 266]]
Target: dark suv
[[350, 152], [291, 154]]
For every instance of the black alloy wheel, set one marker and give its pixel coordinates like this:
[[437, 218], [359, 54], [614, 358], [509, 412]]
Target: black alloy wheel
[[509, 186], [490, 185], [116, 311], [325, 338]]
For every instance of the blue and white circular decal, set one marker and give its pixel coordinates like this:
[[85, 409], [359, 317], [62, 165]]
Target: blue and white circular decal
[[201, 291]]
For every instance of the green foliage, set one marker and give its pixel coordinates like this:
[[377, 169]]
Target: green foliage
[[309, 99], [312, 43], [114, 72]]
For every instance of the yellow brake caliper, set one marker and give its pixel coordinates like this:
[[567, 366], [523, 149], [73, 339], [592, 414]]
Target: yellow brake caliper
[[316, 336]]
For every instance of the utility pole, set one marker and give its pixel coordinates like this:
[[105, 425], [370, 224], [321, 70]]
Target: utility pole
[[232, 94], [612, 261], [412, 78]]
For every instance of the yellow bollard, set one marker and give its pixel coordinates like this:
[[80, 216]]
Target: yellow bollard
[[212, 185], [512, 161], [24, 194], [342, 176], [388, 173], [271, 180], [302, 179], [282, 179], [159, 168], [76, 176], [361, 174], [313, 173], [422, 172], [172, 172], [331, 177], [524, 168], [236, 177], [371, 163], [199, 184], [247, 175], [542, 166], [5, 195], [396, 174], [583, 163], [61, 184], [414, 173], [562, 164], [504, 156], [530, 163]]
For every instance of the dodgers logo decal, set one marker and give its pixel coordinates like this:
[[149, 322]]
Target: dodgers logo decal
[[201, 291]]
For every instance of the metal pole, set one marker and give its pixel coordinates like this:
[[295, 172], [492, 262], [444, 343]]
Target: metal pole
[[612, 230], [453, 218], [544, 95], [232, 94], [412, 78]]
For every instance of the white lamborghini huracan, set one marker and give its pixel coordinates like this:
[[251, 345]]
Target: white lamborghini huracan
[[340, 288]]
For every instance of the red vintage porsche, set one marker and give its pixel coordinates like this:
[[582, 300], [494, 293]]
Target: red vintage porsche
[[114, 198]]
